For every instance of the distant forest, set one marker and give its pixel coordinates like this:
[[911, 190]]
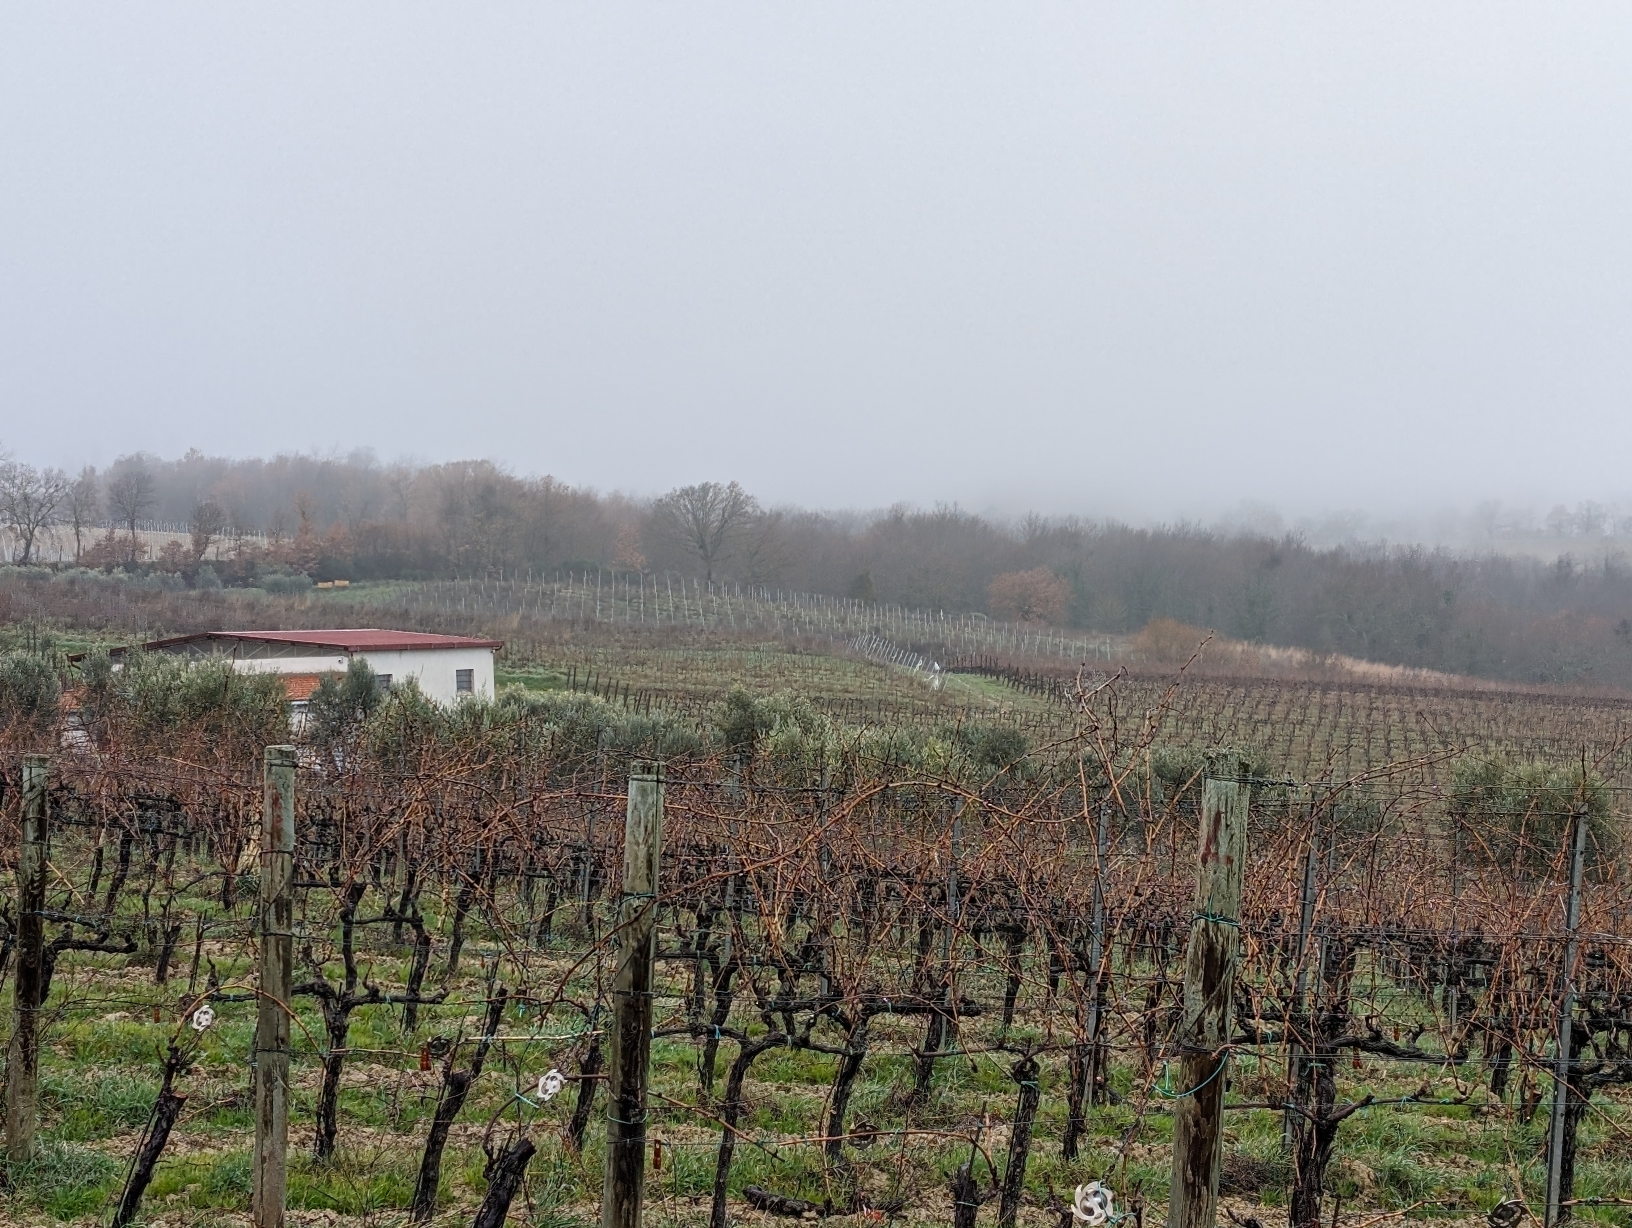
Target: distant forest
[[1497, 616]]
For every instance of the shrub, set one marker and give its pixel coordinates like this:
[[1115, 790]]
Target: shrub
[[29, 691], [741, 721], [168, 699], [1177, 771], [341, 704], [1521, 814], [992, 747], [285, 582]]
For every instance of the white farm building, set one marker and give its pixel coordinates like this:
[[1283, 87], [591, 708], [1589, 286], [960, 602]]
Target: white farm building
[[448, 668]]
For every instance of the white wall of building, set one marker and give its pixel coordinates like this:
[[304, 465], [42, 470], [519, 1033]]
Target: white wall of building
[[436, 669]]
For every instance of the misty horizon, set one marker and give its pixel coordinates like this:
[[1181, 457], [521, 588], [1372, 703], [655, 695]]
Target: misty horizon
[[1586, 528], [1150, 264], [976, 461]]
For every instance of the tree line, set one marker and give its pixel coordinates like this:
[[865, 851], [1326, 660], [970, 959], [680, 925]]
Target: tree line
[[1492, 615]]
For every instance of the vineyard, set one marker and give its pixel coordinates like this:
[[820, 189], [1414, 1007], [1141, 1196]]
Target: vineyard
[[935, 962], [1302, 730], [679, 647], [610, 601]]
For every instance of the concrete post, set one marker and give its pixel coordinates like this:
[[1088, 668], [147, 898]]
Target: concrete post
[[277, 918]]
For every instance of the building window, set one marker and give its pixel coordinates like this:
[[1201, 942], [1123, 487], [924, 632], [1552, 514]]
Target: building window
[[464, 681], [382, 682]]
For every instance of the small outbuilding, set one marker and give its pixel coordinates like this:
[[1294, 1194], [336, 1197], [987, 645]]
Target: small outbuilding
[[448, 668]]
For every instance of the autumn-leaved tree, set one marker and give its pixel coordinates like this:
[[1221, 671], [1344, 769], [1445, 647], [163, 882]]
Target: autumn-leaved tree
[[1035, 596], [629, 556]]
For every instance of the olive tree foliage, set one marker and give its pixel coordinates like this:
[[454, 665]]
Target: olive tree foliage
[[1177, 773], [30, 500], [707, 519], [1522, 813], [166, 700], [340, 707], [785, 735], [574, 730], [29, 690]]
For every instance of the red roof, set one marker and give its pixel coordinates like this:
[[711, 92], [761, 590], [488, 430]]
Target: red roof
[[299, 687], [345, 639], [361, 639]]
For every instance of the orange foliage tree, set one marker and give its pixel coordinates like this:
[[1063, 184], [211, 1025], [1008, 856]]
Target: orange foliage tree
[[1035, 596]]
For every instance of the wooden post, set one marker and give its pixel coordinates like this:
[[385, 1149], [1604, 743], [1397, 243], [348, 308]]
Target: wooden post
[[631, 1039], [1209, 987], [1556, 1211], [277, 960], [23, 1062]]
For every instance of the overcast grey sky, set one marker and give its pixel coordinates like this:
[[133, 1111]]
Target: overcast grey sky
[[1124, 258]]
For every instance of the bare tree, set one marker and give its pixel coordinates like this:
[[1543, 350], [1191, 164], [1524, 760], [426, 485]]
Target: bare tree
[[83, 502], [765, 550], [399, 481], [706, 518], [209, 521], [477, 513], [131, 493], [29, 501]]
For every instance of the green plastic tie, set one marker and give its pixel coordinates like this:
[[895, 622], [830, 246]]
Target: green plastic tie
[[1165, 1089]]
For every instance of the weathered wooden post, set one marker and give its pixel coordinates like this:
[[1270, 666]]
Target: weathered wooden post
[[23, 1061], [273, 993], [1558, 1140], [1209, 986], [631, 1039]]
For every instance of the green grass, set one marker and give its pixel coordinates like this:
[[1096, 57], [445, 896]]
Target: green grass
[[529, 678], [66, 1181], [356, 1182], [90, 1104], [100, 1072]]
